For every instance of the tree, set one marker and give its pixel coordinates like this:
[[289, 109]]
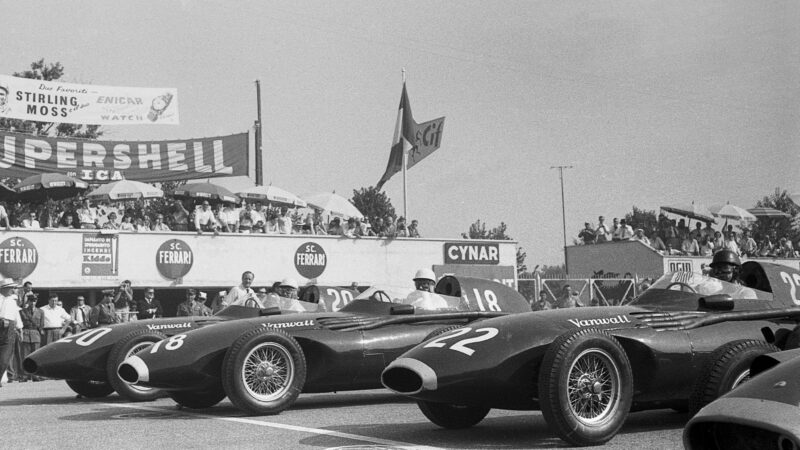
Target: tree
[[477, 230], [48, 72], [372, 203], [782, 227], [641, 218]]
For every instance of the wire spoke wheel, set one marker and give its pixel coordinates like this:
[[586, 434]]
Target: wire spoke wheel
[[268, 371], [593, 386]]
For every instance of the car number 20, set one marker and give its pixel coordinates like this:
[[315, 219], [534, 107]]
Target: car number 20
[[793, 281], [483, 334]]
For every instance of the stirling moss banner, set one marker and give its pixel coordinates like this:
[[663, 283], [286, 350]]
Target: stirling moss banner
[[22, 155], [50, 101]]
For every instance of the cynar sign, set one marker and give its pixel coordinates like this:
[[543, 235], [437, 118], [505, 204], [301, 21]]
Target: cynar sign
[[468, 253]]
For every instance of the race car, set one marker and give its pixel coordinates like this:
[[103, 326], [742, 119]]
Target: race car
[[262, 364], [88, 361], [764, 412], [585, 368]]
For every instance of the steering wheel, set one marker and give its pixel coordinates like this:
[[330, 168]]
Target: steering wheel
[[682, 285]]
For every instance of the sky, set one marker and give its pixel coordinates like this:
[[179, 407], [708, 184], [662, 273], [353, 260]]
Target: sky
[[651, 103]]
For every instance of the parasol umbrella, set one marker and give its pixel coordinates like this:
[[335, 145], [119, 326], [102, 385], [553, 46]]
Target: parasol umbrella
[[333, 204], [732, 212], [49, 186], [7, 194], [767, 213], [125, 190], [692, 211], [206, 191], [273, 195]]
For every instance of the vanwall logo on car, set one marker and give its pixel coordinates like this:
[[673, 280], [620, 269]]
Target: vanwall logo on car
[[580, 323], [302, 323]]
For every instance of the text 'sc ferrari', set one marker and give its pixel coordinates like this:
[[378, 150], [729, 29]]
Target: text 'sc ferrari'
[[680, 344]]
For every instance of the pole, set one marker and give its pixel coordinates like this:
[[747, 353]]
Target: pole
[[405, 160], [563, 212], [259, 156]]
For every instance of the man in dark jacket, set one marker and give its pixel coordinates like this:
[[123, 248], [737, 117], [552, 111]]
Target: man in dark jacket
[[149, 307]]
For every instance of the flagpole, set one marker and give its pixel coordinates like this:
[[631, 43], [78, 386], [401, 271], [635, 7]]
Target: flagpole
[[405, 163]]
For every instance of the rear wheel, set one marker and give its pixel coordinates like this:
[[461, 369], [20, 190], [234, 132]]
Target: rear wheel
[[452, 416], [585, 386], [264, 371], [128, 346], [198, 399], [726, 368], [90, 388]]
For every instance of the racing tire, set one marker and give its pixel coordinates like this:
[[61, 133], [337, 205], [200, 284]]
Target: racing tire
[[726, 368], [130, 345], [205, 398], [451, 416], [91, 388], [585, 386], [264, 371]]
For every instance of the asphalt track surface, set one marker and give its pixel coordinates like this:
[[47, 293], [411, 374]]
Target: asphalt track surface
[[48, 415]]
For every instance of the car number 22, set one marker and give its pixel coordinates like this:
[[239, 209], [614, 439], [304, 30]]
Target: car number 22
[[483, 334]]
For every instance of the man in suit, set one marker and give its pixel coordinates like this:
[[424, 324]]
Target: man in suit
[[80, 315], [149, 307]]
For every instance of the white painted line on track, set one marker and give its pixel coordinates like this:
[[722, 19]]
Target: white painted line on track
[[284, 426]]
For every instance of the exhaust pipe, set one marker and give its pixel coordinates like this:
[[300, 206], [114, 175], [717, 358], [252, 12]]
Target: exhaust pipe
[[134, 370], [409, 376]]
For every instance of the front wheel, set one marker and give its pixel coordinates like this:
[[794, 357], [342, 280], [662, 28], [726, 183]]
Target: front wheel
[[264, 371], [90, 388], [585, 386], [451, 416], [198, 399], [126, 347], [726, 368]]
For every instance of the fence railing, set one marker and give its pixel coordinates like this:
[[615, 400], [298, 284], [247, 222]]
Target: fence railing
[[591, 291]]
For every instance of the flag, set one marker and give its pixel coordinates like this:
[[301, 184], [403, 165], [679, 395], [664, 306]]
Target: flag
[[415, 140]]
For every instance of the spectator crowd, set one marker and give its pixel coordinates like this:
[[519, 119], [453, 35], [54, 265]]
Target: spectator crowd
[[200, 216], [674, 237]]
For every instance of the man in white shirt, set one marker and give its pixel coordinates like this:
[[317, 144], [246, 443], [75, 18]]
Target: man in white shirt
[[243, 294], [10, 323], [55, 318], [204, 219], [284, 222], [87, 215], [30, 222], [424, 297], [229, 217]]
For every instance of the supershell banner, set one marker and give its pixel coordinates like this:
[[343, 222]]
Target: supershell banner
[[49, 101], [102, 161]]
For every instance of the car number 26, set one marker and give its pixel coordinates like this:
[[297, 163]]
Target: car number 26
[[483, 334]]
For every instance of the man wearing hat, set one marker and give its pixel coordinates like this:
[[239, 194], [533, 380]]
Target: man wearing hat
[[288, 288], [80, 315], [638, 235], [55, 319], [424, 297], [104, 312], [32, 325], [194, 304], [10, 323], [587, 234]]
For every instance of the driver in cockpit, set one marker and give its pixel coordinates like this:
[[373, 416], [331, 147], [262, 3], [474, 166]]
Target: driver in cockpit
[[424, 297], [725, 266]]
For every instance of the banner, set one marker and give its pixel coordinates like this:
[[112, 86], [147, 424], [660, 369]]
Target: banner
[[50, 101], [22, 155], [417, 141]]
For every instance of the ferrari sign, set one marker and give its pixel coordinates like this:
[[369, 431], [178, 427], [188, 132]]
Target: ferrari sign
[[174, 259], [310, 260], [18, 257]]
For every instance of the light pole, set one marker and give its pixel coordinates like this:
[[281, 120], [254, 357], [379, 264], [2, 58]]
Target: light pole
[[259, 156], [563, 212]]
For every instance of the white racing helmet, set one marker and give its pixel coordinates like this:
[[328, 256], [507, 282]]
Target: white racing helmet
[[425, 274], [289, 282]]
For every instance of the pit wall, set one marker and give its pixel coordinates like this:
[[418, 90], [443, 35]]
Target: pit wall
[[89, 259]]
